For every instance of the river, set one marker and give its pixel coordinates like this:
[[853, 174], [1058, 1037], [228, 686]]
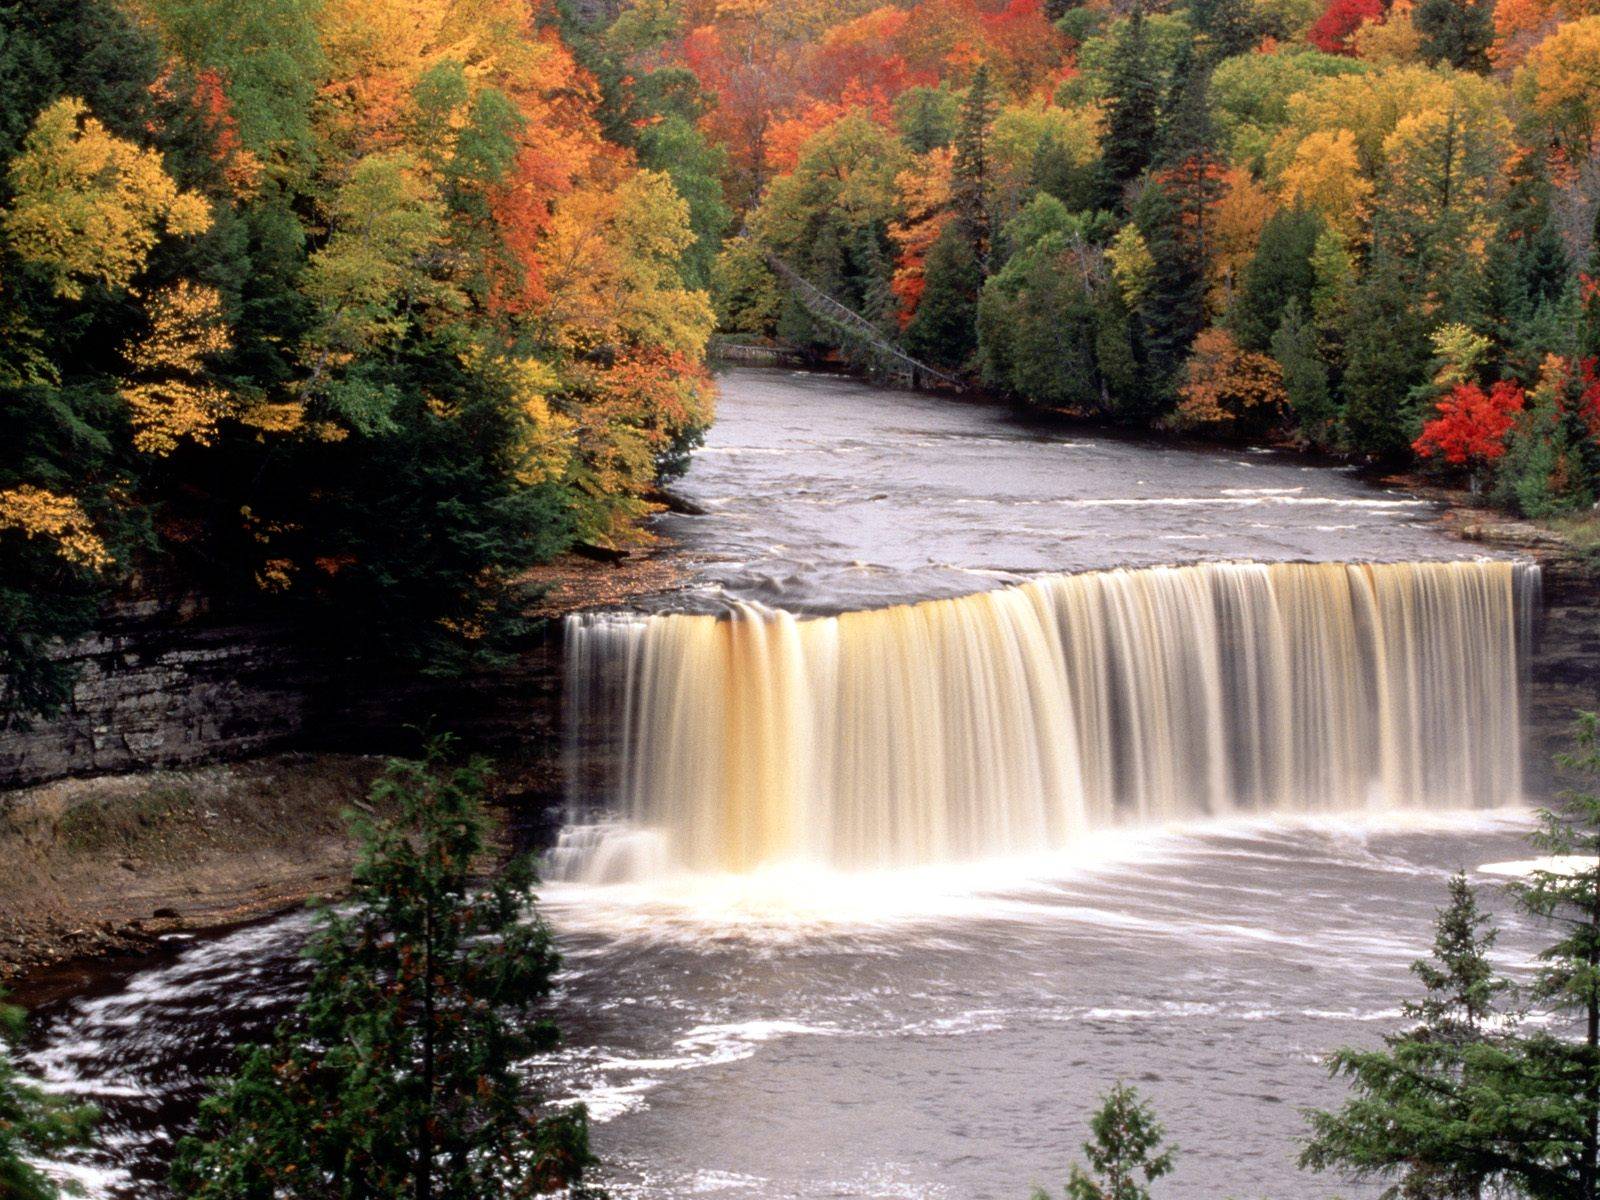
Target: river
[[926, 1003]]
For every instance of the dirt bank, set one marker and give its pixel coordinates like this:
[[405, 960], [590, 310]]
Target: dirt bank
[[101, 866]]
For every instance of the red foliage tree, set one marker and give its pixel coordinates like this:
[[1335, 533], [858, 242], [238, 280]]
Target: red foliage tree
[[1470, 430], [1339, 21]]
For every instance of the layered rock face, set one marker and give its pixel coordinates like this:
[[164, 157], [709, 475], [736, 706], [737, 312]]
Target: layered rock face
[[169, 683]]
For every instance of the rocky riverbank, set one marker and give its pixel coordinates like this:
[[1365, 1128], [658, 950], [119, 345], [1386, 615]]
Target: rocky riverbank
[[199, 775]]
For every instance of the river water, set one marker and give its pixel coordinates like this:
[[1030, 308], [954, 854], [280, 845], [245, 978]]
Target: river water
[[941, 1029]]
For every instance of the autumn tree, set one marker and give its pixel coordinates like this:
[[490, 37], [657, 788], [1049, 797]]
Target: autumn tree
[[1339, 22], [1471, 428], [1229, 390], [1560, 81]]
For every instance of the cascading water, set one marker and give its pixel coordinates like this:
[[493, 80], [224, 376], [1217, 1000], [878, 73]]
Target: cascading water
[[1014, 721]]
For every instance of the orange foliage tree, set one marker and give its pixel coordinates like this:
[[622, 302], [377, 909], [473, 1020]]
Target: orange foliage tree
[[1227, 389]]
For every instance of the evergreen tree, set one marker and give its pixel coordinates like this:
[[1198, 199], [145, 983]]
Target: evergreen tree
[[1387, 354], [1132, 109], [1443, 1110], [398, 1074], [944, 329], [1280, 273], [33, 1123], [1036, 324], [1224, 28], [1125, 1155], [1295, 346], [1568, 982], [1455, 32], [926, 118], [970, 168], [1172, 309]]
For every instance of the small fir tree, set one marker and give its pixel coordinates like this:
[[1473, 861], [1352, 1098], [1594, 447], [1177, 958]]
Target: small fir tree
[[397, 1076], [1125, 1155], [1297, 348]]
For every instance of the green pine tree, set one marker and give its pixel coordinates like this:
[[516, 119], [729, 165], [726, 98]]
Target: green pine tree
[[1125, 1155], [1568, 982], [1457, 33], [1280, 273], [943, 330], [1386, 355], [1447, 1110], [33, 1123], [1132, 107], [971, 171], [1297, 349], [1172, 309], [397, 1077]]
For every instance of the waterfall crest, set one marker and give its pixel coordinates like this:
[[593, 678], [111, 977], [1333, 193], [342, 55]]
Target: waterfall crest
[[1015, 720]]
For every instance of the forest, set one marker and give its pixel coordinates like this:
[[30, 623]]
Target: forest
[[360, 308], [1362, 227]]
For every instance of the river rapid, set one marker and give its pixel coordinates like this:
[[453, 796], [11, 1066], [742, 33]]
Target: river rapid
[[802, 1031]]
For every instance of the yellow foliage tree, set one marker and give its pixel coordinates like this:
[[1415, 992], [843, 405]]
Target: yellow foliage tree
[[1390, 41], [1237, 219], [612, 269], [170, 393], [1132, 264], [1370, 104], [1561, 83], [1325, 176], [37, 513], [88, 207]]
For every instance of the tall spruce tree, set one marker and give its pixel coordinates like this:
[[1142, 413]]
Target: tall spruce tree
[[1457, 33], [1132, 111], [943, 331], [397, 1076], [1172, 308], [33, 1122], [1386, 355], [1568, 982], [1444, 1110], [971, 173]]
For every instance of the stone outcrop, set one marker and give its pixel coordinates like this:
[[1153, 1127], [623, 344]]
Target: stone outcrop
[[173, 684]]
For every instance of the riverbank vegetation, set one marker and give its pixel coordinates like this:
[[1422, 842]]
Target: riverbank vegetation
[[359, 306], [1364, 226]]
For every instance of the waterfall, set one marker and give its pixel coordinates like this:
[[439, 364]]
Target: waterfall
[[1016, 720]]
